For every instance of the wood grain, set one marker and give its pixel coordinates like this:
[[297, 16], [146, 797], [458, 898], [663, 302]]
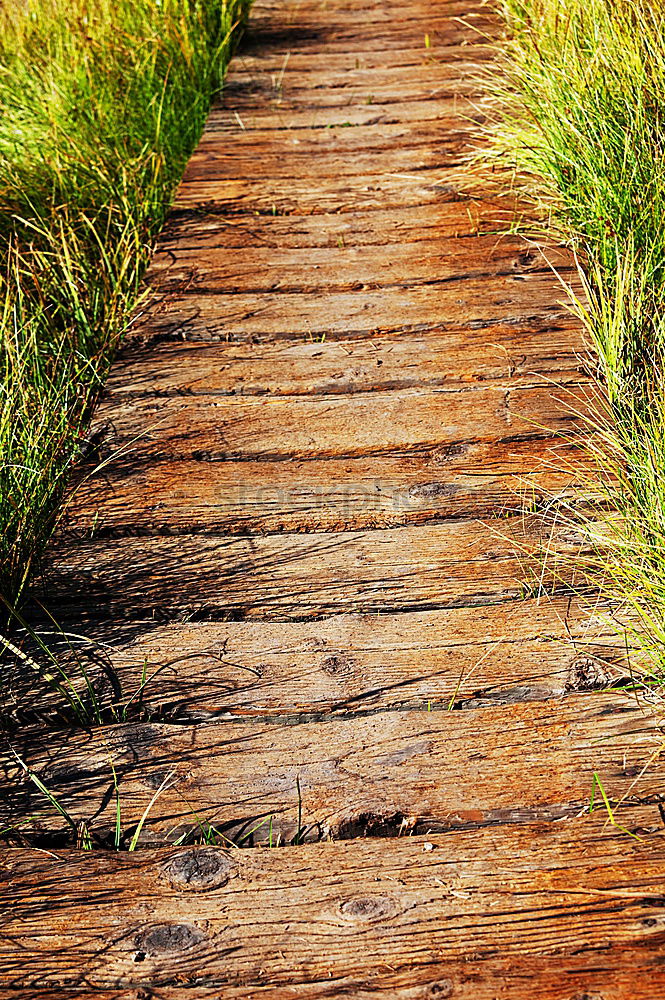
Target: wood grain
[[546, 357], [133, 497], [452, 564], [366, 919], [348, 268], [302, 590], [222, 428], [462, 657], [356, 228], [467, 216], [383, 773], [475, 303]]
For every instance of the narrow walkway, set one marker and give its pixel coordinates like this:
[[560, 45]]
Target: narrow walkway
[[305, 562]]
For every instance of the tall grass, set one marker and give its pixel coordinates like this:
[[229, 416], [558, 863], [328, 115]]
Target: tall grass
[[100, 107], [580, 122]]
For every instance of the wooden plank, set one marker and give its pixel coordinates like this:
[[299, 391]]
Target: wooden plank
[[452, 219], [617, 972], [373, 88], [271, 59], [272, 144], [510, 356], [361, 19], [209, 169], [424, 78], [296, 37], [480, 479], [457, 305], [250, 195], [381, 774], [276, 116], [461, 657], [366, 919], [344, 268], [451, 564], [629, 973], [219, 428]]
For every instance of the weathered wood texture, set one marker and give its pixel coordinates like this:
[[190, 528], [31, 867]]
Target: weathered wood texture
[[568, 911], [254, 497], [459, 658], [305, 581], [380, 773], [298, 576]]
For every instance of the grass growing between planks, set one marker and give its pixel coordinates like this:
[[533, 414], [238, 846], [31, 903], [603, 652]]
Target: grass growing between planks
[[100, 106], [578, 118]]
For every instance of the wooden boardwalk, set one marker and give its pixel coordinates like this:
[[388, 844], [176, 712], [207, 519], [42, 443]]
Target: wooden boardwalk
[[310, 541]]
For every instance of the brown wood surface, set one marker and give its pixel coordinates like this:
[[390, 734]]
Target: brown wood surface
[[463, 657], [304, 596], [434, 360], [472, 479], [465, 217], [222, 428], [305, 575], [376, 773], [569, 910]]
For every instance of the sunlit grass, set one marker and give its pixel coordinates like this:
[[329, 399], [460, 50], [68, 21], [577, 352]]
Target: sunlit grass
[[100, 107], [577, 117]]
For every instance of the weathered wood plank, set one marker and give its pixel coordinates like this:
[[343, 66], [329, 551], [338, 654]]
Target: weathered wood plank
[[401, 226], [277, 117], [293, 196], [509, 356], [273, 144], [379, 774], [614, 972], [296, 37], [271, 59], [219, 427], [362, 85], [370, 90], [341, 14], [349, 268], [461, 657], [210, 170], [574, 905], [451, 564], [341, 315], [307, 70], [472, 480]]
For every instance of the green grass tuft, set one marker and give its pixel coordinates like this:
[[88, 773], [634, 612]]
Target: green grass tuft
[[577, 118], [101, 106]]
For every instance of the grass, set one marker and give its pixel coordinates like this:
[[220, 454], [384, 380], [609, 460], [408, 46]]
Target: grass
[[577, 120], [101, 106]]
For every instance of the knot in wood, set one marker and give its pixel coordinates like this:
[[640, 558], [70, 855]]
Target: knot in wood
[[587, 674], [439, 990], [368, 909], [199, 869], [167, 939], [339, 666]]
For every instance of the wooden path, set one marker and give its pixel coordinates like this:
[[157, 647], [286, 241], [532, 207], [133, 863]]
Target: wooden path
[[310, 542]]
